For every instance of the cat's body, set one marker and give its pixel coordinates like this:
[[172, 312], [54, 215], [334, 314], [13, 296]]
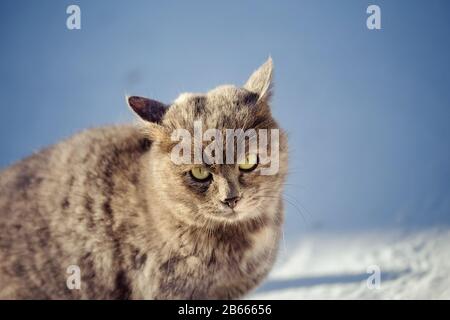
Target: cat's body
[[108, 201]]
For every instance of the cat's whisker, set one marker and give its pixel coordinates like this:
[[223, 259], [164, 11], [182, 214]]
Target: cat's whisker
[[289, 202], [284, 241]]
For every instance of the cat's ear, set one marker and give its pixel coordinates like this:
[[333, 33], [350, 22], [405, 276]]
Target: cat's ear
[[152, 112], [260, 82], [148, 109]]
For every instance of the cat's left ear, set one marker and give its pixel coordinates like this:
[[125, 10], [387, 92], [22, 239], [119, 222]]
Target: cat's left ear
[[260, 82], [148, 109]]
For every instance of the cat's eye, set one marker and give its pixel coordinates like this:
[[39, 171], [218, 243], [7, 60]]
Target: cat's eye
[[250, 164], [200, 174]]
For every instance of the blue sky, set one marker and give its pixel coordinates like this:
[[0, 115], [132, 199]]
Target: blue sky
[[367, 112]]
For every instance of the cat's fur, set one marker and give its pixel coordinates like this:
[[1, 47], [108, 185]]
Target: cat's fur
[[110, 201]]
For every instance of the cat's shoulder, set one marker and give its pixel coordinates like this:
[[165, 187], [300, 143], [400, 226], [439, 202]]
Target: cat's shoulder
[[120, 141]]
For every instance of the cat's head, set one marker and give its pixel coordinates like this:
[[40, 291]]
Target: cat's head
[[214, 185]]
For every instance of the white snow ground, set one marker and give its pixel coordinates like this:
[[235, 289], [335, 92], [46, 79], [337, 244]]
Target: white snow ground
[[413, 264]]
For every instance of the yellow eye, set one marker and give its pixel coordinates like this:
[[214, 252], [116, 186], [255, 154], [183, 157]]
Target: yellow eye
[[200, 173], [250, 164]]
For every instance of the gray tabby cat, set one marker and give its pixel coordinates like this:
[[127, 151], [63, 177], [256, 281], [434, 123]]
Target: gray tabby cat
[[111, 201]]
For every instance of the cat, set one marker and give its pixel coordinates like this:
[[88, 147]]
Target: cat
[[110, 202]]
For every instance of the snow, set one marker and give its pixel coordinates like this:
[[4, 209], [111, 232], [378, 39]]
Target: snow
[[413, 265]]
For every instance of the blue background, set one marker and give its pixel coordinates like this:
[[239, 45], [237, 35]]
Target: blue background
[[367, 112]]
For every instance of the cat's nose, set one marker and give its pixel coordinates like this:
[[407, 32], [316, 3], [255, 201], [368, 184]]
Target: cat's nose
[[231, 202]]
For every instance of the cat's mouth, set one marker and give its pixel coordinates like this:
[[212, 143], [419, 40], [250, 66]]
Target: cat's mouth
[[225, 213], [240, 211], [228, 212]]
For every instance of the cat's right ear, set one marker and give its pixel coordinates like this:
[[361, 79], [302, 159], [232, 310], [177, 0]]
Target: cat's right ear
[[147, 109], [152, 112]]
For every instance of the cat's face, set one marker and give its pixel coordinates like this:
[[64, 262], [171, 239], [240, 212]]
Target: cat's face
[[227, 188]]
